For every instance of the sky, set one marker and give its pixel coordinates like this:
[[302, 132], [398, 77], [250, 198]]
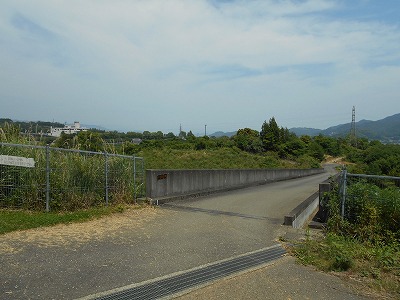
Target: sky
[[135, 65]]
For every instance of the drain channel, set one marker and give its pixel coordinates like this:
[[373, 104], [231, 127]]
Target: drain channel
[[177, 283], [215, 212]]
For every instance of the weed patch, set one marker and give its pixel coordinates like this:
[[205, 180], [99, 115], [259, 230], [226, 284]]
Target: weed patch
[[377, 266]]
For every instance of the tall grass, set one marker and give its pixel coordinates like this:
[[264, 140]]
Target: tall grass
[[77, 179], [371, 213]]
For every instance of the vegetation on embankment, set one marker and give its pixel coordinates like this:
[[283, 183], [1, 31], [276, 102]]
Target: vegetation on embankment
[[365, 243], [368, 266], [271, 147]]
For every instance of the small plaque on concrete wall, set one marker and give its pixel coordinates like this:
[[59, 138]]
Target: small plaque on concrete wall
[[162, 176]]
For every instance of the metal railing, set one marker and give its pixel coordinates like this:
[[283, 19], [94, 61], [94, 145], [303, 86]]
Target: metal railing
[[346, 179], [43, 178]]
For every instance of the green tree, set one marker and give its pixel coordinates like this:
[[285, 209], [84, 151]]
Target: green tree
[[200, 144], [270, 135], [315, 150], [330, 145], [64, 141], [294, 147], [248, 140], [134, 135], [306, 139], [90, 141], [182, 134], [84, 140], [170, 135], [159, 135], [190, 137]]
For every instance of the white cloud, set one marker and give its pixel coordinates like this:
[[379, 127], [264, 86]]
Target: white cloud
[[155, 64]]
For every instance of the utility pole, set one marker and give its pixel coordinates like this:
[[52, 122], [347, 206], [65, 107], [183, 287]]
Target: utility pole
[[205, 130]]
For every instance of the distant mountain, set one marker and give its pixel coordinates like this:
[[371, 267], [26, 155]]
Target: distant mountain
[[94, 127], [386, 130], [299, 131], [221, 134]]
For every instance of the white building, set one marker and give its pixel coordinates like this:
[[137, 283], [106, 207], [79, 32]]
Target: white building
[[67, 129]]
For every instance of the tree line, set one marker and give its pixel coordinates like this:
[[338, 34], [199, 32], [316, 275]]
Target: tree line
[[370, 157]]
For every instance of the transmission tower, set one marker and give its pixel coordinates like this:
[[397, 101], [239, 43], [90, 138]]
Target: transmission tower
[[180, 131], [353, 136]]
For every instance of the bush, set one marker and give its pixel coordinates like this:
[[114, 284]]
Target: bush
[[371, 213]]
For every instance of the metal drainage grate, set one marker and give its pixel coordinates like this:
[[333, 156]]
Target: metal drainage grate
[[216, 212], [177, 283]]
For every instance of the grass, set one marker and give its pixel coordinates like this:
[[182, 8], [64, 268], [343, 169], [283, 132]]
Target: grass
[[375, 266], [12, 220]]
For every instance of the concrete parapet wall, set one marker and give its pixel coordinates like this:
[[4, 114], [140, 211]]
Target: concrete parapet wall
[[310, 207], [173, 183], [302, 213]]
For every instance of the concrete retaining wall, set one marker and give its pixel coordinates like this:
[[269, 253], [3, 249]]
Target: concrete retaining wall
[[179, 183]]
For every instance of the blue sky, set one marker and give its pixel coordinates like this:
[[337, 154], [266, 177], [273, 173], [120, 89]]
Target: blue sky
[[156, 64]]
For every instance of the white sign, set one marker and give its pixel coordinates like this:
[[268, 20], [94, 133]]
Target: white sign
[[17, 161]]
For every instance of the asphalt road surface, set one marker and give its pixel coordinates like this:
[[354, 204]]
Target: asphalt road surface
[[176, 237]]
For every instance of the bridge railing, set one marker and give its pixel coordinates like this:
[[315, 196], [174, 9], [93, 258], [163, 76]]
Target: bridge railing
[[162, 184]]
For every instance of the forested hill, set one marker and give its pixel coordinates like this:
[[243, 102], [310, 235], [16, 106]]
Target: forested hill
[[299, 131], [221, 134], [32, 127], [386, 130]]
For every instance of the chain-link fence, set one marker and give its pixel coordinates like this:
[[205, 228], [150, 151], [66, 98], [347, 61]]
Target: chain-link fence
[[361, 192], [44, 178]]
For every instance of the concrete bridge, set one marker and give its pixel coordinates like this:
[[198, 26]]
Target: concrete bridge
[[179, 236]]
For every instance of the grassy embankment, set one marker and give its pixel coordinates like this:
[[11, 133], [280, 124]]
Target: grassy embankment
[[364, 246]]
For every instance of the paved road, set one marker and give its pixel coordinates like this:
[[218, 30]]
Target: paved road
[[173, 239]]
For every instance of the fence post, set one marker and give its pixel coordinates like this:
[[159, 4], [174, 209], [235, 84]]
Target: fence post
[[134, 178], [143, 176], [47, 178], [106, 176], [344, 191]]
